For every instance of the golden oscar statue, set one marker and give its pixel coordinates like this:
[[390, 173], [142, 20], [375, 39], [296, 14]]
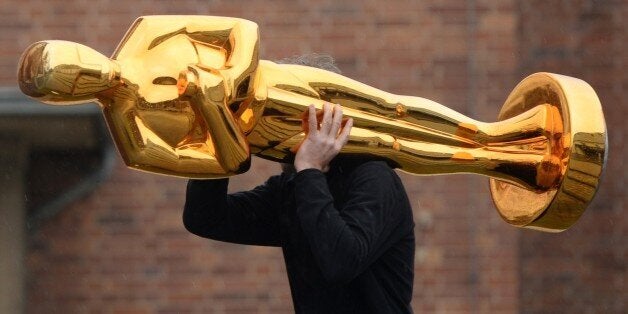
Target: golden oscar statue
[[188, 96]]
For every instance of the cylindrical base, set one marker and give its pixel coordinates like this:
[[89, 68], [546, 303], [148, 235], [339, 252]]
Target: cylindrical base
[[581, 150]]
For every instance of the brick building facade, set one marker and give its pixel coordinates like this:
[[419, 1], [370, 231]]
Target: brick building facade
[[121, 247]]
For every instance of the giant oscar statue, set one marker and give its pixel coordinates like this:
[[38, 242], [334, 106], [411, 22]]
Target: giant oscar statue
[[188, 96]]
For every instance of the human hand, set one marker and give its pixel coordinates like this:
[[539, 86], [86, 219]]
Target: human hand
[[322, 144]]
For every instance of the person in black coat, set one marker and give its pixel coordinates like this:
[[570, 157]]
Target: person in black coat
[[344, 224]]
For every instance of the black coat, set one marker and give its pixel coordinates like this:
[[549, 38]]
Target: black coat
[[347, 236]]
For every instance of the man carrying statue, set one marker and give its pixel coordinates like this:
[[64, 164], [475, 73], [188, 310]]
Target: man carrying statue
[[188, 96]]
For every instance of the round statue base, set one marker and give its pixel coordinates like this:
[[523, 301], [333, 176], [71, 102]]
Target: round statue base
[[582, 151]]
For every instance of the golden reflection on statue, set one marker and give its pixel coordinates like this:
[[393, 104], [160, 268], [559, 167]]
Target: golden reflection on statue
[[188, 96]]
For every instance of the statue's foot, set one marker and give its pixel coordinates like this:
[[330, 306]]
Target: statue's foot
[[550, 169], [549, 172]]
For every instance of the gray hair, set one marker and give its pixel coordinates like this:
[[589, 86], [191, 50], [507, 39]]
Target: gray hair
[[315, 60]]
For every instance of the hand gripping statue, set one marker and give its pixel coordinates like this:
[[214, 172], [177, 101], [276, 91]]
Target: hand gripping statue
[[188, 96]]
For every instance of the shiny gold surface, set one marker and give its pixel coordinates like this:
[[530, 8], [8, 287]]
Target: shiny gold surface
[[577, 150], [188, 96]]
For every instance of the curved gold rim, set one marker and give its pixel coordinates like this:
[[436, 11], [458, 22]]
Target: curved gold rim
[[583, 143]]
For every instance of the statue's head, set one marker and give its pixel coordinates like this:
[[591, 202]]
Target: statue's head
[[63, 72]]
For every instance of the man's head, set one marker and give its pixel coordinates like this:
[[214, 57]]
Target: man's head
[[315, 60], [64, 72]]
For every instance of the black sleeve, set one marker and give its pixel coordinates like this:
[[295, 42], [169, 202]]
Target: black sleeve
[[346, 241], [245, 217]]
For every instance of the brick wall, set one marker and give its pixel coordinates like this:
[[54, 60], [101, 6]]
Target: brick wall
[[582, 270], [123, 249]]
